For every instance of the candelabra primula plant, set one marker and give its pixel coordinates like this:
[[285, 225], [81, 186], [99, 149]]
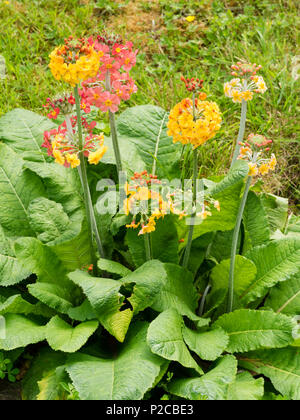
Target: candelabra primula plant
[[178, 255]]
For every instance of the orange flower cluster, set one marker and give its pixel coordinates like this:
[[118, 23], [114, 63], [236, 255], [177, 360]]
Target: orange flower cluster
[[194, 124], [145, 202], [253, 152], [74, 61]]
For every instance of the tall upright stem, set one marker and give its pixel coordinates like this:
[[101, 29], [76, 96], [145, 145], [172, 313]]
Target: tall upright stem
[[90, 215], [195, 176], [112, 123], [241, 131], [191, 230], [147, 246], [234, 245]]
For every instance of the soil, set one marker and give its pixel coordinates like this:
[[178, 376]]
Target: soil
[[10, 391]]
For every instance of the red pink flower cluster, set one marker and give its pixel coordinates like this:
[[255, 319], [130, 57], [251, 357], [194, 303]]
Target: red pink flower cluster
[[113, 82]]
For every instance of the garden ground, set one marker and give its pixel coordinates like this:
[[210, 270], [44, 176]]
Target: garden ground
[[261, 31]]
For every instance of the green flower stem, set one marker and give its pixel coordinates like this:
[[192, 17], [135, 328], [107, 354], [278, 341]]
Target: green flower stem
[[113, 129], [192, 221], [203, 299], [234, 244], [147, 246], [191, 230], [241, 131], [90, 215]]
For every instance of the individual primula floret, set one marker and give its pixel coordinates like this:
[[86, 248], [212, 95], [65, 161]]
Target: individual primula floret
[[112, 84], [246, 82], [187, 125], [62, 144], [75, 61], [144, 202], [255, 152]]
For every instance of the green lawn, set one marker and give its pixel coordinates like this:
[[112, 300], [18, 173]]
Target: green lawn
[[261, 31]]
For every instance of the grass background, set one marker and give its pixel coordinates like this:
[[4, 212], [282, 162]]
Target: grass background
[[224, 31]]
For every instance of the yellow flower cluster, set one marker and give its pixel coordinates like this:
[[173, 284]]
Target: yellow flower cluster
[[238, 89], [253, 151], [74, 68], [263, 168], [185, 127], [139, 193]]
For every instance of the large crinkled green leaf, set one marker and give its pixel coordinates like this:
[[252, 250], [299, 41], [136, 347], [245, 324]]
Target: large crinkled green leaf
[[20, 332], [244, 275], [63, 337], [48, 219], [251, 329], [113, 267], [15, 304], [276, 209], [107, 296], [11, 271], [107, 302], [63, 186], [293, 227], [147, 283], [55, 296], [23, 131], [285, 297], [219, 249], [245, 388], [131, 159], [208, 345], [104, 223], [256, 221], [177, 292], [276, 262], [50, 386], [83, 312], [46, 361], [40, 260], [216, 302], [164, 242], [281, 366], [18, 187], [144, 143], [200, 247], [165, 338], [237, 173], [211, 386], [73, 247], [290, 230], [128, 375]]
